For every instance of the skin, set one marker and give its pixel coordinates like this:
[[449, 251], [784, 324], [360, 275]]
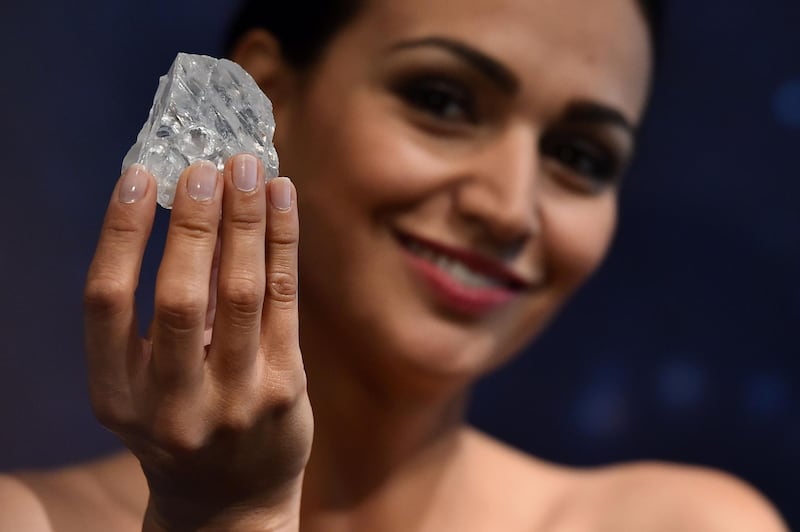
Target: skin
[[398, 128]]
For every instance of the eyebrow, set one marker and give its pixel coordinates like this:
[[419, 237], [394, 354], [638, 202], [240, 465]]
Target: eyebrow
[[583, 111], [580, 111], [494, 71]]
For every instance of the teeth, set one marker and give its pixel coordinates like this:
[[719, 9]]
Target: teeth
[[457, 269], [471, 278]]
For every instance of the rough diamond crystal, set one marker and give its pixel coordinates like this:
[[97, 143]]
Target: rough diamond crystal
[[204, 108]]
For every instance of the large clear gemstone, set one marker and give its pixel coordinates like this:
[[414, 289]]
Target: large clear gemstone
[[204, 108]]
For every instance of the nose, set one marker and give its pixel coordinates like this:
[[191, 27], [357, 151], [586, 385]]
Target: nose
[[499, 194]]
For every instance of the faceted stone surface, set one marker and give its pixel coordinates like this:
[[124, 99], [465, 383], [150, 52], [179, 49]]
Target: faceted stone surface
[[204, 108]]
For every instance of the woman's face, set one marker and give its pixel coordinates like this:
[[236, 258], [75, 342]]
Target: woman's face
[[457, 167]]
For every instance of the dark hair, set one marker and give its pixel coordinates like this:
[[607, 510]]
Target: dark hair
[[653, 11], [304, 27]]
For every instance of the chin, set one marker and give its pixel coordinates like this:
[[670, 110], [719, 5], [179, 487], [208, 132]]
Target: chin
[[407, 345]]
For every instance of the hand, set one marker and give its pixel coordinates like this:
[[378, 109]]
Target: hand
[[219, 418]]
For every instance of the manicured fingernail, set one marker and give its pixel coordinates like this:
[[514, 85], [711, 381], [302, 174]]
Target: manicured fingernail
[[134, 184], [245, 173], [280, 193], [202, 181]]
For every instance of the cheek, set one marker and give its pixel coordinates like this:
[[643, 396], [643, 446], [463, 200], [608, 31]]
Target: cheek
[[383, 163], [577, 234], [364, 148]]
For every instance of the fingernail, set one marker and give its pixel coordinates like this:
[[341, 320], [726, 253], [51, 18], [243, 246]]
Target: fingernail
[[280, 193], [245, 173], [134, 184], [202, 181]]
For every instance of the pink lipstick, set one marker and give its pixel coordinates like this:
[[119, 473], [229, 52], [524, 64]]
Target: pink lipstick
[[459, 279]]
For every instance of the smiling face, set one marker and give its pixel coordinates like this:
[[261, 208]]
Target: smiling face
[[457, 168]]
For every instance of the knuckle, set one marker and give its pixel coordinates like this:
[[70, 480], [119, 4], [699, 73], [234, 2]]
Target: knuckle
[[123, 228], [195, 228], [242, 294], [105, 294], [247, 221], [180, 309], [236, 420], [285, 392], [284, 236], [111, 414], [175, 439], [282, 286], [178, 443]]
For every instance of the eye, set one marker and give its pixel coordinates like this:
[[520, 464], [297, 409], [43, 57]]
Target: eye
[[589, 163], [441, 98]]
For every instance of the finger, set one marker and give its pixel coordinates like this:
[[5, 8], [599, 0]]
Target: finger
[[181, 298], [280, 323], [211, 311], [110, 319], [240, 285]]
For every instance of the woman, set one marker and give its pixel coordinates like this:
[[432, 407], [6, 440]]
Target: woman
[[456, 166]]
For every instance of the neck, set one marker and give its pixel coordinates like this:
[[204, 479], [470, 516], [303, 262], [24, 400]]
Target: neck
[[382, 447]]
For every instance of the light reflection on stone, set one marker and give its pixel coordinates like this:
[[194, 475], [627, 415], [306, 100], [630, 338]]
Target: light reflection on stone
[[204, 109]]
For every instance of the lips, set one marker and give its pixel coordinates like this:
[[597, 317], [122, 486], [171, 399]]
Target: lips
[[479, 264], [461, 279]]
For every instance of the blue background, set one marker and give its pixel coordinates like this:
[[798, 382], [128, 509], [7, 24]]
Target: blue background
[[683, 347]]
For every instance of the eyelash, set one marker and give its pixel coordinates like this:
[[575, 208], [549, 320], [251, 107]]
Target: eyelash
[[594, 164], [590, 165], [443, 99]]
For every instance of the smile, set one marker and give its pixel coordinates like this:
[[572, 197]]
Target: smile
[[460, 279], [457, 269]]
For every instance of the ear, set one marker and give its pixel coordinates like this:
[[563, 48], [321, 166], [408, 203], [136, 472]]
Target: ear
[[259, 53]]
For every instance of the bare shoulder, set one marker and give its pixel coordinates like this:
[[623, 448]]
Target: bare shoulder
[[107, 494], [653, 496], [641, 496], [20, 508], [506, 461], [522, 490]]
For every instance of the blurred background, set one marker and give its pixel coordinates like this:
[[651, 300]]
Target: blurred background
[[683, 347]]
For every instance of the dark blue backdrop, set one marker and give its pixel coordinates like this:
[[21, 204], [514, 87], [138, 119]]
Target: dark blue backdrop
[[683, 347]]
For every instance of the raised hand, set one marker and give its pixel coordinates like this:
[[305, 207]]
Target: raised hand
[[219, 419]]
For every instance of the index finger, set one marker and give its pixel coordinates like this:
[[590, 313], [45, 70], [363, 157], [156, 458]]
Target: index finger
[[109, 310]]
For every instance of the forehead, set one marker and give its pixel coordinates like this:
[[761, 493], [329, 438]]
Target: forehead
[[574, 49]]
